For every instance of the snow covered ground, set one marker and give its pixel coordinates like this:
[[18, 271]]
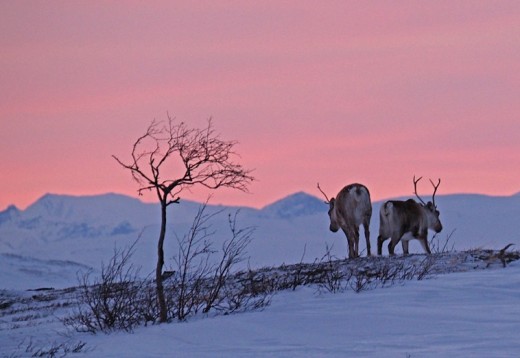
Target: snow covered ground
[[475, 313], [470, 314]]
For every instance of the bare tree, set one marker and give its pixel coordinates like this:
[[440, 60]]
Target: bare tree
[[171, 157]]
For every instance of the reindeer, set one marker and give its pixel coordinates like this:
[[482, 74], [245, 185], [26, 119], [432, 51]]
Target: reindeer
[[406, 220], [347, 211]]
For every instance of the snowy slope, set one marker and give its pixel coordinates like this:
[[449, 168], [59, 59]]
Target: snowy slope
[[459, 315], [83, 231], [19, 272], [470, 314]]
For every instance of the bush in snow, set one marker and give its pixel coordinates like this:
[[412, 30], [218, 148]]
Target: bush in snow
[[120, 300], [198, 285], [111, 301]]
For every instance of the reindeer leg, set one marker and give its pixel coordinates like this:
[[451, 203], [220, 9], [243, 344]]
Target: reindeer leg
[[423, 239], [351, 241], [391, 246], [394, 240], [367, 237], [351, 248], [356, 241], [425, 245], [380, 241], [404, 243]]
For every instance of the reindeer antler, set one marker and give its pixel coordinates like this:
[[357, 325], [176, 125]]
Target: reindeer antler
[[325, 195], [415, 189], [435, 187]]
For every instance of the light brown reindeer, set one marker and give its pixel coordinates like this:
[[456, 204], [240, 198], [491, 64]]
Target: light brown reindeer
[[406, 220], [350, 209]]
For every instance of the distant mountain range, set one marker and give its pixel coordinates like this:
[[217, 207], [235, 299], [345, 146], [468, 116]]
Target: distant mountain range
[[63, 233]]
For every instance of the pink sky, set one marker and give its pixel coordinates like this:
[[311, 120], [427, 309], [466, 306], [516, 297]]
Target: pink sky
[[340, 92]]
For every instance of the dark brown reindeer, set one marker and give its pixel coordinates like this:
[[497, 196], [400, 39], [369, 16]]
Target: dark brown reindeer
[[350, 209], [406, 220]]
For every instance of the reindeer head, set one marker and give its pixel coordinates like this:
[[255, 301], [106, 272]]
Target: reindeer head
[[432, 214], [334, 226]]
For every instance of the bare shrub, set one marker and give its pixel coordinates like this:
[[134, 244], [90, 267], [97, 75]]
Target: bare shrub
[[191, 267], [198, 284], [297, 276], [388, 272], [360, 281], [111, 301], [148, 307], [232, 253], [120, 300], [425, 268], [252, 292], [333, 278], [54, 349], [440, 247], [362, 274]]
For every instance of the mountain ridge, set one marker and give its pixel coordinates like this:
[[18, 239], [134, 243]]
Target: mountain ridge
[[296, 197]]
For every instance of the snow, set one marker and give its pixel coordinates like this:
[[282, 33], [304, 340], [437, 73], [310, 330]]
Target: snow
[[474, 313], [19, 272], [456, 315]]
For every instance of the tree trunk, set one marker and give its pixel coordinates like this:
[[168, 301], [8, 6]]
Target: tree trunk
[[163, 311]]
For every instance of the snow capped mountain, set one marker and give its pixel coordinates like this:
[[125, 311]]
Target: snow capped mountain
[[298, 204], [99, 208], [84, 230], [9, 214]]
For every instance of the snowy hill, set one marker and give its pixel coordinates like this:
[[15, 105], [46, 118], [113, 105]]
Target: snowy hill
[[472, 313], [295, 205], [21, 272], [460, 315], [83, 231]]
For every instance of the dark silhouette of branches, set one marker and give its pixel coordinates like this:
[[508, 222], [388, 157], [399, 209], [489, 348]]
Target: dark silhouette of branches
[[201, 156], [232, 253], [170, 157], [111, 301], [198, 282]]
